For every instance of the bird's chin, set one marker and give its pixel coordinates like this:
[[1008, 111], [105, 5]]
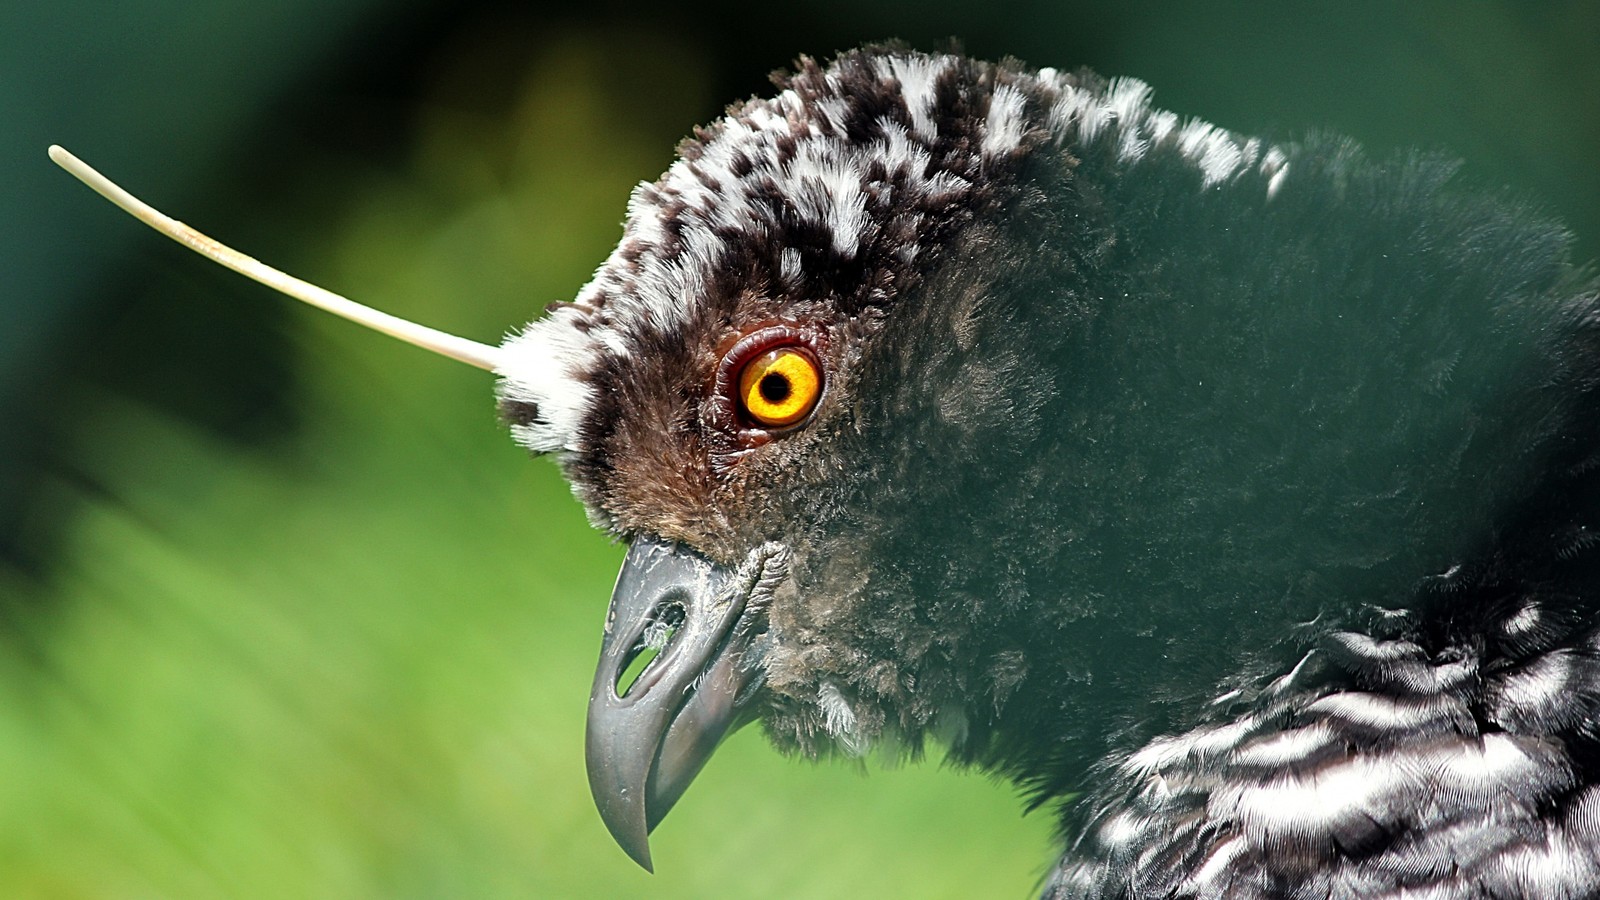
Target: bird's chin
[[648, 739]]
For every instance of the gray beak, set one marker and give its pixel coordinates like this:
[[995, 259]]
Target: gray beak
[[648, 739]]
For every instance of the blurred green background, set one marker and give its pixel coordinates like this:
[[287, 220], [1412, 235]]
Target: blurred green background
[[283, 613]]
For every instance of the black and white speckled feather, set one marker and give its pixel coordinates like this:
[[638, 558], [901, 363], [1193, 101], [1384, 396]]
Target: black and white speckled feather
[[1249, 487], [1406, 774]]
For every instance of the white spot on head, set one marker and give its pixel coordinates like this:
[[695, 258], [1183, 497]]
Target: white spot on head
[[1127, 101], [1216, 152], [919, 77], [538, 366], [1124, 104], [789, 265], [1005, 126], [1122, 113], [1275, 181], [827, 192]]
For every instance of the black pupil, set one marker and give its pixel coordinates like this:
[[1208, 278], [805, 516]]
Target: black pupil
[[774, 387]]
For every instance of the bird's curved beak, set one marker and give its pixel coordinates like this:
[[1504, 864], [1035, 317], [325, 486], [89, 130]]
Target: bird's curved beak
[[648, 738]]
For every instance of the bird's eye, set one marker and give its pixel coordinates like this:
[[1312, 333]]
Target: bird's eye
[[780, 387]]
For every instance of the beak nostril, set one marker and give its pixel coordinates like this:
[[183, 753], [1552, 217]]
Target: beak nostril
[[658, 632]]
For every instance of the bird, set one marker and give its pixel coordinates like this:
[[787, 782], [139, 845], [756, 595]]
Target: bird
[[1238, 499]]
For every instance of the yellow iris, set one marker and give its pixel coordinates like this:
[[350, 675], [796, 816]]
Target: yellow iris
[[780, 387]]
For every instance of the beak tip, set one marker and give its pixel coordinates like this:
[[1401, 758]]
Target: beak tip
[[626, 821], [638, 849]]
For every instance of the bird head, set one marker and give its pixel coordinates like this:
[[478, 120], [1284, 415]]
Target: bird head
[[752, 393]]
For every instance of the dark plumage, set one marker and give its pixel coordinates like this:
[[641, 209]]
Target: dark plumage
[[1248, 487]]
